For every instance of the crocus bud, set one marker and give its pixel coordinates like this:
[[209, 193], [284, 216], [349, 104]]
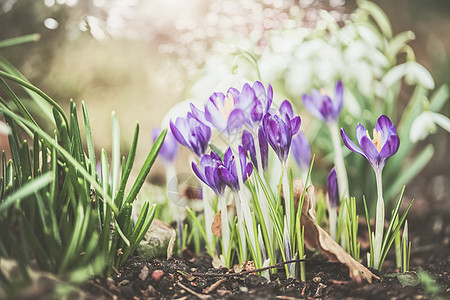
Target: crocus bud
[[332, 188]]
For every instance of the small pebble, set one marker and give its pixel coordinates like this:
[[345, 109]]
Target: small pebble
[[157, 275], [144, 273], [317, 279]]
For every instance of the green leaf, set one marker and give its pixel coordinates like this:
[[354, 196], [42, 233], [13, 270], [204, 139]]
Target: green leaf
[[26, 190], [411, 170], [439, 98], [115, 160], [127, 171], [146, 167], [31, 87], [89, 140], [68, 157], [34, 37]]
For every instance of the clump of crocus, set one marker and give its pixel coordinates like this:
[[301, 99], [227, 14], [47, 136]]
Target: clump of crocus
[[279, 130], [167, 153], [195, 135], [332, 201], [320, 105], [376, 150], [218, 174], [328, 110]]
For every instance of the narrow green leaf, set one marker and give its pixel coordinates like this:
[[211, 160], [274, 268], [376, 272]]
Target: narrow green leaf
[[89, 140], [41, 103], [411, 170], [26, 190], [439, 98], [146, 167], [65, 154], [36, 90], [129, 165], [34, 37], [115, 160]]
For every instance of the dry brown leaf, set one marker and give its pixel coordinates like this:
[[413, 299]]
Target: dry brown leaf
[[316, 237], [216, 226]]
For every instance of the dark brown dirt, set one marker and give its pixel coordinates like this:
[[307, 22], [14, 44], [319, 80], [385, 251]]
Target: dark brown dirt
[[174, 279]]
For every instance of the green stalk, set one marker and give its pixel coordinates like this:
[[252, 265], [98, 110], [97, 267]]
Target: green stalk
[[225, 230], [379, 222], [341, 172]]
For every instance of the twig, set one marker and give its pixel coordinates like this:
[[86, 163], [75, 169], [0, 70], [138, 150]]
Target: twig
[[106, 291], [251, 271], [199, 296], [214, 286]]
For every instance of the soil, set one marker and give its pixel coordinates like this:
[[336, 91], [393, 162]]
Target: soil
[[193, 277]]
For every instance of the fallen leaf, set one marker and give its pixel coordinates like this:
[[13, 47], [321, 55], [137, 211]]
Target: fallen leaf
[[316, 237], [216, 226]]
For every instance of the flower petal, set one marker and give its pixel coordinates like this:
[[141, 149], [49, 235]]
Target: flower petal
[[213, 115], [257, 111], [198, 114], [249, 145], [198, 173], [309, 104], [391, 146], [370, 150], [384, 125], [263, 145], [269, 97], [350, 145], [236, 120], [228, 178], [338, 97], [295, 124], [332, 188], [180, 130], [246, 99], [301, 150], [286, 109], [360, 132]]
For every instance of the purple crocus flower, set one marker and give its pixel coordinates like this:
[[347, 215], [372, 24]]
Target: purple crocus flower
[[191, 133], [228, 171], [229, 112], [322, 106], [169, 147], [255, 102], [384, 144], [223, 112], [207, 172], [279, 130], [301, 150], [332, 188], [248, 144]]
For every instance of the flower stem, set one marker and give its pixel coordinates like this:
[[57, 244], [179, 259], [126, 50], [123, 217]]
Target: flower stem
[[263, 200], [225, 230], [243, 199], [341, 172], [379, 222]]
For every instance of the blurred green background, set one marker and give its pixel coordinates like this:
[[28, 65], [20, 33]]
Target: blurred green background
[[140, 57]]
